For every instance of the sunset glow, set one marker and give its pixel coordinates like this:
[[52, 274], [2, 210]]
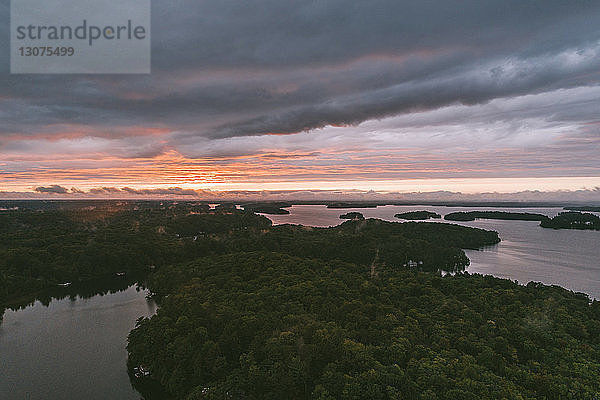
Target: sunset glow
[[395, 111]]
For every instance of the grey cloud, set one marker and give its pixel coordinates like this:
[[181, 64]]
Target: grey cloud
[[272, 32], [51, 189], [105, 190], [110, 191], [438, 54], [177, 191], [588, 196]]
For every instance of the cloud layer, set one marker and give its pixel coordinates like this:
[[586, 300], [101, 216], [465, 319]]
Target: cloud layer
[[56, 192], [320, 91]]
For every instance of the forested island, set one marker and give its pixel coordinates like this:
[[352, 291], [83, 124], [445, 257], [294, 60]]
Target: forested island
[[573, 220], [248, 310], [584, 208], [564, 220], [352, 215], [513, 216], [267, 208], [418, 215]]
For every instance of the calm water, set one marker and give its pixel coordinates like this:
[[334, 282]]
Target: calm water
[[70, 349], [568, 258], [75, 348]]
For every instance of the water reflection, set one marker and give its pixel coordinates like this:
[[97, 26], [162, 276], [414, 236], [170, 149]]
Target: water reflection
[[70, 342], [79, 290]]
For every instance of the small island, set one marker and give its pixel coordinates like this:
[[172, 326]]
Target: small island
[[584, 208], [226, 207], [573, 220], [352, 216], [418, 215], [512, 216], [268, 208]]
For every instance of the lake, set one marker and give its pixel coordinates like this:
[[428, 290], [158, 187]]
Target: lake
[[73, 348], [527, 252]]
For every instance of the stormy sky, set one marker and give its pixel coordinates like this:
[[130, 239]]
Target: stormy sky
[[386, 95]]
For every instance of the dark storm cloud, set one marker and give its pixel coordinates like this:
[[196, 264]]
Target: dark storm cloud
[[51, 189], [288, 33], [235, 68], [582, 195], [175, 191], [105, 190]]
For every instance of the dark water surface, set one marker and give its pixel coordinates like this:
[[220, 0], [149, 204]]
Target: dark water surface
[[74, 348], [71, 348], [566, 257]]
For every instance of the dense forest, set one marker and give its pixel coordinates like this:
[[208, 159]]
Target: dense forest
[[514, 216], [266, 325], [358, 311], [43, 247], [58, 244], [418, 215], [573, 220]]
